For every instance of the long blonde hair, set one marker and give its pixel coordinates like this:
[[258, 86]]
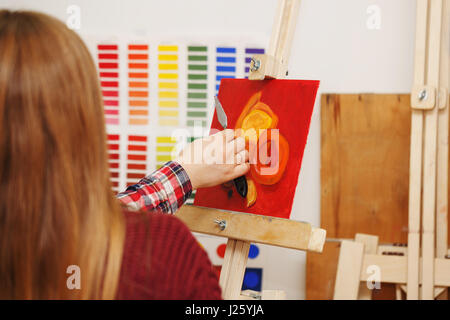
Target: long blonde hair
[[56, 204]]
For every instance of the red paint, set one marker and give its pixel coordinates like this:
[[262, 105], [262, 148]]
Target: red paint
[[113, 137], [137, 138], [108, 65], [136, 148], [137, 157], [292, 101], [113, 84], [108, 56], [107, 47], [110, 93], [113, 147], [111, 103], [109, 74], [134, 166]]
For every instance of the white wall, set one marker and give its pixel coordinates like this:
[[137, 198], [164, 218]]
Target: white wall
[[332, 44]]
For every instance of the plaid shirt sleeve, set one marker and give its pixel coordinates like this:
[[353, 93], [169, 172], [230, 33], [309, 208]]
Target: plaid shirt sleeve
[[164, 190]]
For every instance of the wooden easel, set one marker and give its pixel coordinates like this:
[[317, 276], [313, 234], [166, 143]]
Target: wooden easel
[[241, 228], [421, 269]]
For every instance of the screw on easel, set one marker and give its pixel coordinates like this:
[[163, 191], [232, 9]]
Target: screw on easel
[[255, 64], [221, 223], [423, 95]]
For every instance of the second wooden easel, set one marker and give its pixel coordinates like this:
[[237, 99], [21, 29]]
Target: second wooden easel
[[422, 268], [241, 229]]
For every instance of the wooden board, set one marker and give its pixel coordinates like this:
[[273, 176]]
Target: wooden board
[[321, 272], [365, 165]]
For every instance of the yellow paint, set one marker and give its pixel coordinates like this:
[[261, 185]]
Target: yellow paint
[[163, 158], [165, 140], [168, 122], [164, 149], [168, 85], [168, 104], [168, 66], [168, 76], [168, 57], [168, 113], [168, 94], [167, 48]]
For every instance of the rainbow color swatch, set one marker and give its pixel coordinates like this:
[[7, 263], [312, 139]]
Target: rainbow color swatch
[[164, 147], [138, 86], [197, 86], [136, 158], [108, 64], [168, 88], [113, 159], [225, 64]]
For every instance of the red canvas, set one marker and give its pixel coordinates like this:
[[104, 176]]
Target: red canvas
[[292, 101]]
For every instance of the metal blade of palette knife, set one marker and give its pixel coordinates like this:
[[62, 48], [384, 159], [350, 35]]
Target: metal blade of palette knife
[[241, 182]]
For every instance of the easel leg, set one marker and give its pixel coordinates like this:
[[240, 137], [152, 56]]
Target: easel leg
[[370, 247], [415, 166], [233, 268], [430, 155], [349, 270], [442, 158]]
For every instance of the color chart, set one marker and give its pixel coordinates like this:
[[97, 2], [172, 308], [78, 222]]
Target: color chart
[[225, 64], [168, 89], [153, 86], [197, 86], [138, 84]]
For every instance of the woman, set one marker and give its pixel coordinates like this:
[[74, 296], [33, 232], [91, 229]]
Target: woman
[[56, 205]]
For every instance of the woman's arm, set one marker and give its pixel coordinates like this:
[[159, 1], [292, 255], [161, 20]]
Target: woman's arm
[[164, 190], [203, 163]]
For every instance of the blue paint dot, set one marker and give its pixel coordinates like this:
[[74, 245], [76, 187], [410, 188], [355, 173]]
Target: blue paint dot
[[251, 279], [253, 252]]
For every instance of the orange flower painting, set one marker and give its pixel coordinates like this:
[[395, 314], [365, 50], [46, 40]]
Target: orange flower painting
[[274, 118]]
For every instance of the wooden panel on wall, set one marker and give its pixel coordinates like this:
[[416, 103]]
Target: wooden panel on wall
[[365, 165]]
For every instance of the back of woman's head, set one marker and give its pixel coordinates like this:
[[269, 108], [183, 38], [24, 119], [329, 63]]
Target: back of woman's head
[[56, 204]]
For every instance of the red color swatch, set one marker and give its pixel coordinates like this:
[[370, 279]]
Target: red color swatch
[[292, 101], [113, 159]]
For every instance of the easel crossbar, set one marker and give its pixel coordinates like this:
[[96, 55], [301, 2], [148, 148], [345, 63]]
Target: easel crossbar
[[254, 228]]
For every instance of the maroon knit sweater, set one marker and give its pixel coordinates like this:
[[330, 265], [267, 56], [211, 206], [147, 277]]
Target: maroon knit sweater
[[163, 260]]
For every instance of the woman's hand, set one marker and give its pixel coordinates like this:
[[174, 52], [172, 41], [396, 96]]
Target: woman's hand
[[215, 159]]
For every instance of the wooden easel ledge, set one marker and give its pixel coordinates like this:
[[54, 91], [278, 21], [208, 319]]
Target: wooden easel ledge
[[253, 228]]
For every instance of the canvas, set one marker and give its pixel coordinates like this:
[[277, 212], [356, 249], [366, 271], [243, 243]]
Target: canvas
[[285, 105]]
